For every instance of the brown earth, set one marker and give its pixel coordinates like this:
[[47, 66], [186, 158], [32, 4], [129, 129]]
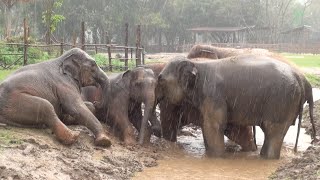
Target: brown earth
[[35, 154], [307, 166]]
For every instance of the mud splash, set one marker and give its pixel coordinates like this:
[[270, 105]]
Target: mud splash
[[189, 162]]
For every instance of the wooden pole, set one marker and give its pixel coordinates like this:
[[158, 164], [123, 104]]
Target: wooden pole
[[74, 39], [82, 36], [142, 55], [61, 46], [95, 46], [138, 44], [126, 46], [108, 44], [25, 39]]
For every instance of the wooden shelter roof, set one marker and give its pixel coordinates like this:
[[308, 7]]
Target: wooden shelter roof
[[300, 28], [217, 29]]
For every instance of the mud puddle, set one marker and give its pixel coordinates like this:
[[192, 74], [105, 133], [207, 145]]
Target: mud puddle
[[190, 162]]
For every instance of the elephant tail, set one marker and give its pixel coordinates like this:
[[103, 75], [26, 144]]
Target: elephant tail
[[299, 125], [311, 105], [304, 97]]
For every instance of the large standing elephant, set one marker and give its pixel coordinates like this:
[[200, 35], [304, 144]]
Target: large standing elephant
[[244, 90], [212, 52], [187, 114], [41, 94], [127, 92]]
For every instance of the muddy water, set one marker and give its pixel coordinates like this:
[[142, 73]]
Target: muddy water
[[190, 162]]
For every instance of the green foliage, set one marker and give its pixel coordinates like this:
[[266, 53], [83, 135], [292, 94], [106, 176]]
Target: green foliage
[[36, 55], [117, 64], [313, 79], [49, 17], [6, 59]]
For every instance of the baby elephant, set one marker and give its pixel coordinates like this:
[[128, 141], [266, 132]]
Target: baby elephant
[[40, 94], [122, 104]]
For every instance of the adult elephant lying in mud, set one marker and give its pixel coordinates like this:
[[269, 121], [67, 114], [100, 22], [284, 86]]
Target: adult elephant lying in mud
[[243, 90], [40, 94], [175, 117], [123, 101], [212, 52]]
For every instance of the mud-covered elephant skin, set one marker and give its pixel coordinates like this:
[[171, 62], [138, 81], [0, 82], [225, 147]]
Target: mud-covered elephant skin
[[244, 90], [125, 96], [187, 114], [41, 94]]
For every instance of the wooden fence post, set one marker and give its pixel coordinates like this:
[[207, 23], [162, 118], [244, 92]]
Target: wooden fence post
[[61, 46], [138, 44], [126, 46], [25, 40], [109, 50], [74, 39], [95, 46], [142, 55], [82, 36]]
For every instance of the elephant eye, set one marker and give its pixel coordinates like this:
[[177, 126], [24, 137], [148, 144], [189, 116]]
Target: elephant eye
[[93, 63]]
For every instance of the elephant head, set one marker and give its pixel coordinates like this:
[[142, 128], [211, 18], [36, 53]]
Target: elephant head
[[177, 80], [82, 68], [203, 51], [142, 84]]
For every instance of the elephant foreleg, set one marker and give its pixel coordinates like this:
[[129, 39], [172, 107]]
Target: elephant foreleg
[[77, 109], [213, 127], [120, 119], [169, 117], [69, 120]]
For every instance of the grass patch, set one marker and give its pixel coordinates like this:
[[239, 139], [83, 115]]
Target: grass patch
[[313, 79], [304, 60], [5, 73], [7, 138]]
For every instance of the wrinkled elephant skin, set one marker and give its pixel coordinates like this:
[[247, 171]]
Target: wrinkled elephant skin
[[41, 94], [244, 91]]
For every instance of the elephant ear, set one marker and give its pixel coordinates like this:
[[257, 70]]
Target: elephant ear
[[187, 74], [125, 78], [71, 67]]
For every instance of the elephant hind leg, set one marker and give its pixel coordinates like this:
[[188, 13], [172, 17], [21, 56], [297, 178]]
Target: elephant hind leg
[[241, 135], [274, 135], [30, 110]]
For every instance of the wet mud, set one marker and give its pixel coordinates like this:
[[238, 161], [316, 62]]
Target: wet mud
[[35, 154], [306, 166]]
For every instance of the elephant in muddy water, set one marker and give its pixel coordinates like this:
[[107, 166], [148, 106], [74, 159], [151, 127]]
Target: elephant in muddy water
[[186, 114], [41, 94], [198, 52], [124, 98], [244, 90]]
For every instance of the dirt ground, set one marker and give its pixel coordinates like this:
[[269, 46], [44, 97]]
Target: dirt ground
[[35, 154], [308, 165]]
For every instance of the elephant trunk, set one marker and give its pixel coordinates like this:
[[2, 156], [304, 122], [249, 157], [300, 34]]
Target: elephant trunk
[[104, 83], [148, 112]]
